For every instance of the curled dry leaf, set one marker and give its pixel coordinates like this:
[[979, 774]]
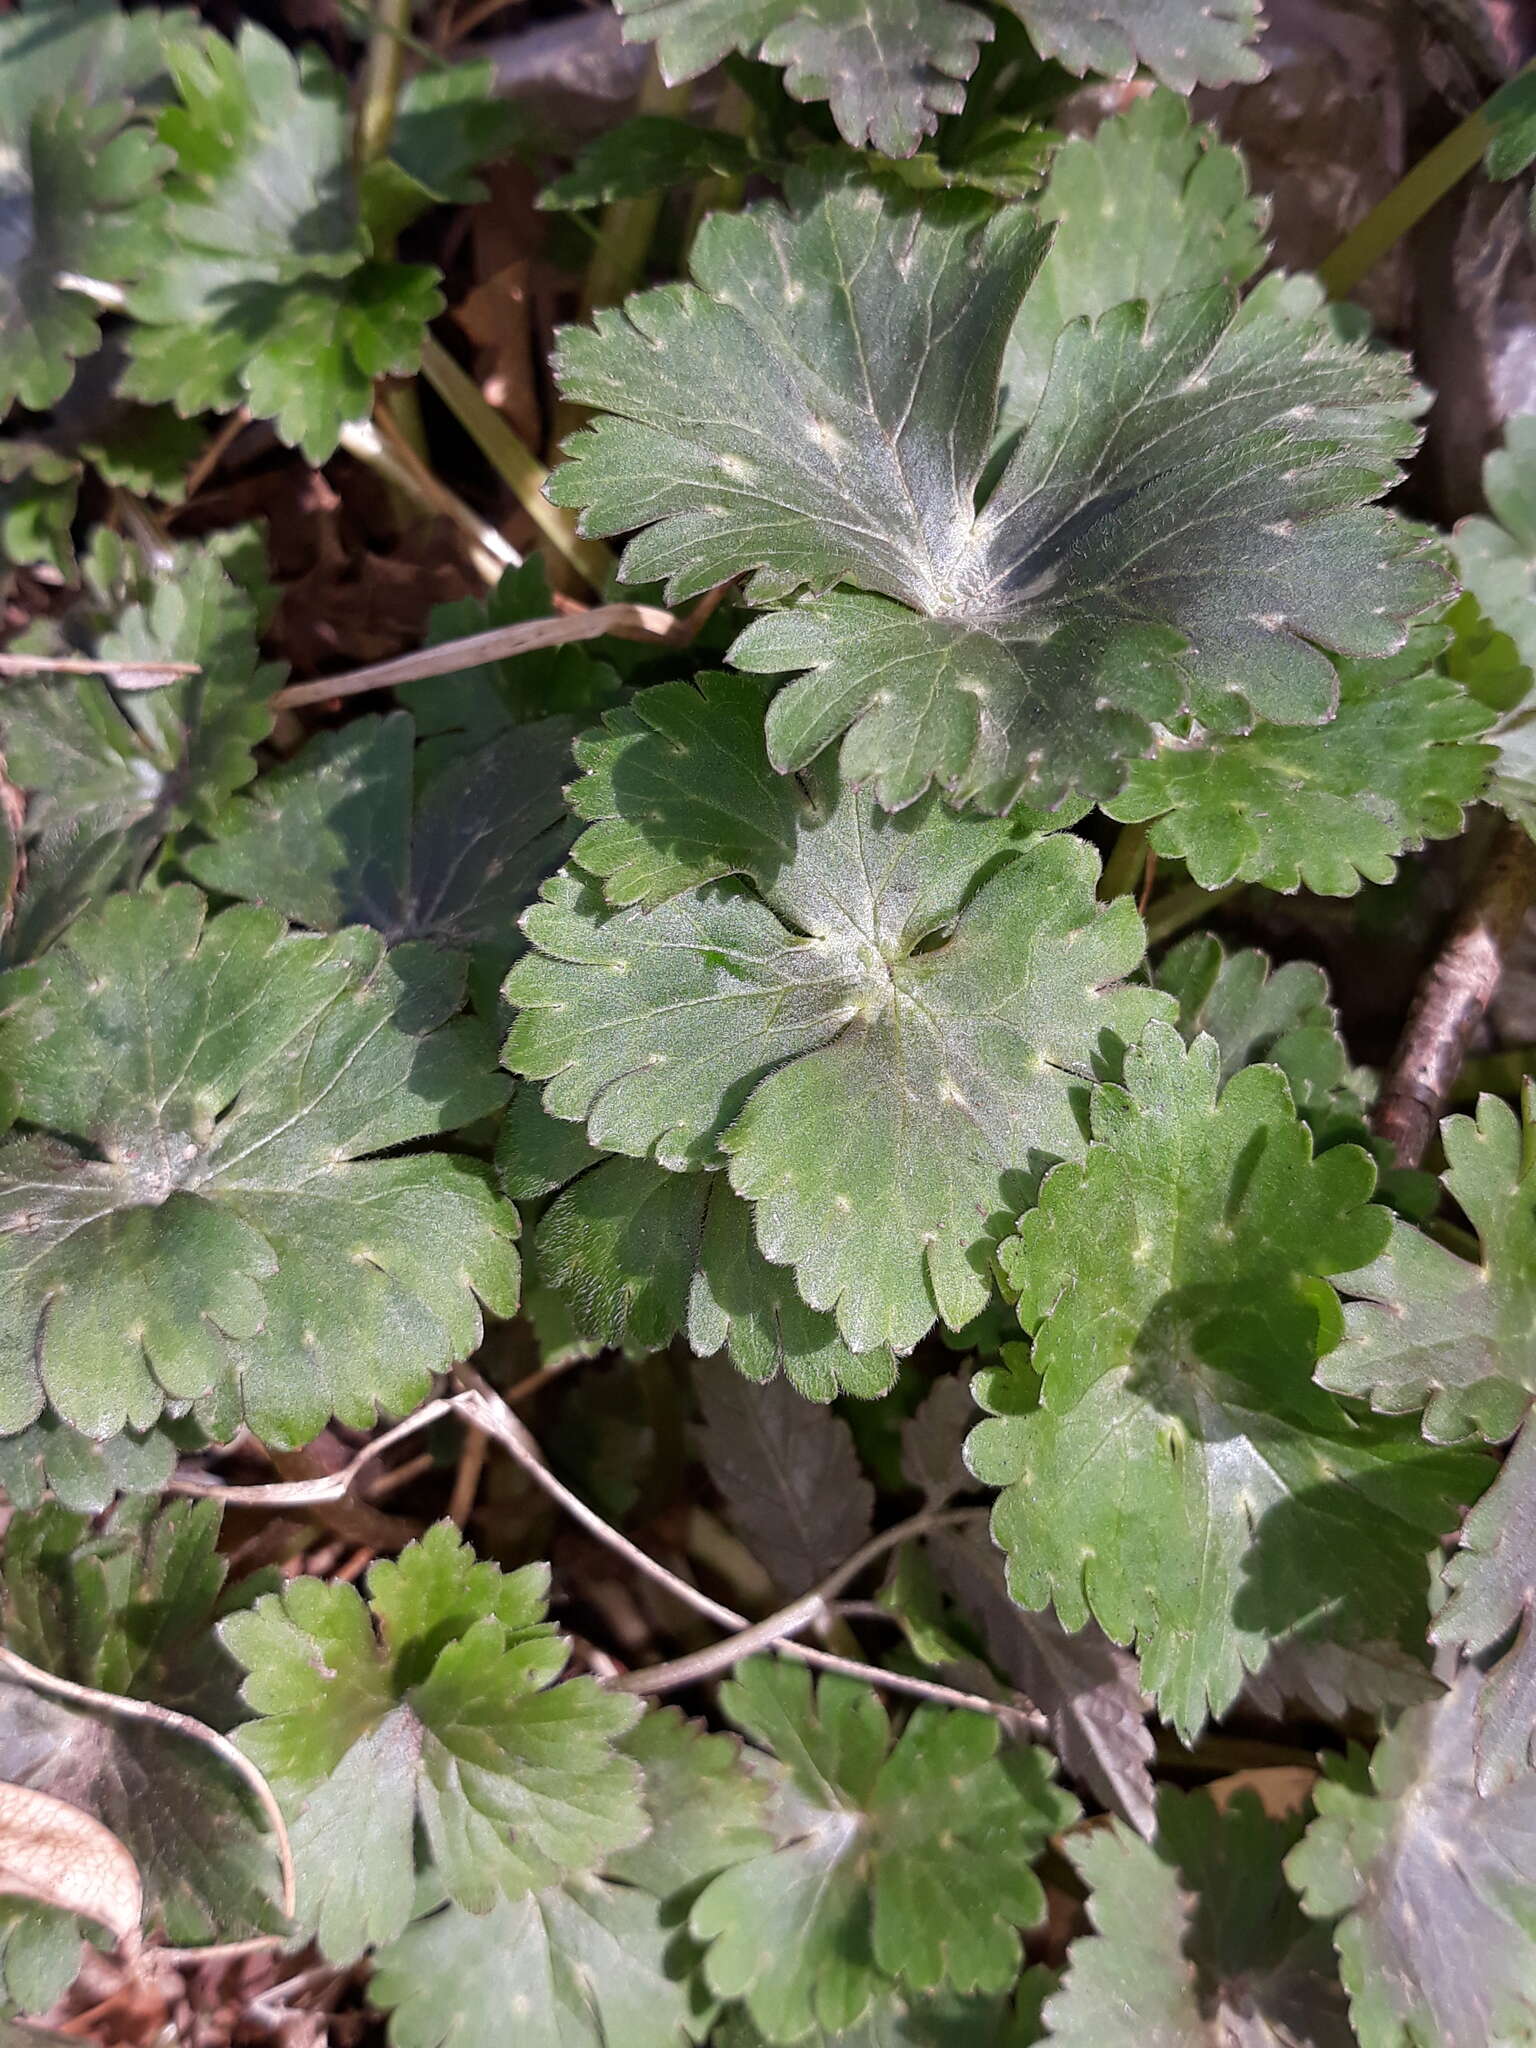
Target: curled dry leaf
[[54, 1853]]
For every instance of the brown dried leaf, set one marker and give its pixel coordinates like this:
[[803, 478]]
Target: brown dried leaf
[[52, 1852]]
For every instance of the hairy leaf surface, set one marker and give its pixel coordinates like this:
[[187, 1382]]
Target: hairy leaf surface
[[1197, 1940], [1435, 1884], [437, 1702], [1180, 528], [890, 68], [887, 1036], [1167, 1463], [199, 1209]]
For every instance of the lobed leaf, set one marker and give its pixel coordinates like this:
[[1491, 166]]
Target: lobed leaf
[[886, 1036], [891, 68], [1179, 529], [910, 1862], [199, 1211], [1167, 1464], [436, 1704]]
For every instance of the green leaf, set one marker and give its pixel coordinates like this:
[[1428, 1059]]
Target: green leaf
[[1321, 807], [895, 2021], [890, 68], [788, 1475], [38, 488], [1405, 1849], [1495, 647], [79, 179], [593, 1963], [651, 153], [464, 711], [191, 1824], [221, 1225], [81, 1473], [1430, 1330], [439, 1702], [1146, 207], [126, 1608], [266, 292], [1182, 527], [448, 120], [110, 772], [1489, 1609], [148, 450], [639, 1254], [1167, 1463], [910, 1861], [888, 1036], [350, 832], [1197, 1941], [39, 1960]]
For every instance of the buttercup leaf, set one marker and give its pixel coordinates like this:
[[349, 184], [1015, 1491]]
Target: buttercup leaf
[[910, 1861], [887, 1038], [1167, 1463], [439, 1702], [1180, 528], [230, 1234], [1406, 1828], [1197, 1943], [891, 68]]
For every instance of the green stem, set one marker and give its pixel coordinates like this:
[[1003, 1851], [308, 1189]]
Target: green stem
[[382, 73], [1185, 906], [1423, 187], [517, 466], [734, 115], [1127, 860], [624, 238]]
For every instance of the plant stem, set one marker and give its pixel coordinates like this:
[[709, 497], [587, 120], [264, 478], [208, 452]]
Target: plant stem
[[734, 114], [1123, 869], [1185, 906], [624, 621], [378, 443], [1421, 188], [517, 466], [383, 69], [624, 235], [1454, 994]]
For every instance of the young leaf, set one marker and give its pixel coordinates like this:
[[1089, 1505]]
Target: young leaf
[[439, 1702], [1180, 529], [350, 832], [1146, 207], [111, 772], [1167, 1463], [1197, 1942], [909, 1862], [885, 1036], [80, 175], [265, 292], [892, 67], [220, 1226], [183, 1814], [1435, 1882], [639, 1254], [447, 121], [592, 1963], [788, 1474], [1430, 1330], [1321, 807]]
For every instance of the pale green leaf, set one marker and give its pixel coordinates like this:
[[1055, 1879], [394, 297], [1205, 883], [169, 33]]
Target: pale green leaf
[[438, 1704]]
